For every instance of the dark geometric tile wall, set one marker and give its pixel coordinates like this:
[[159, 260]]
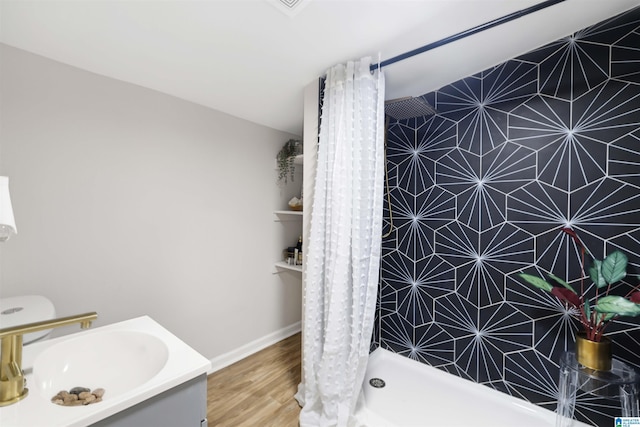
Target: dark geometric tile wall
[[479, 192]]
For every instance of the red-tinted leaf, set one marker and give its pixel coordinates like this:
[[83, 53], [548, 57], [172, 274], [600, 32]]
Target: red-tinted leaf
[[635, 297], [564, 294], [573, 235]]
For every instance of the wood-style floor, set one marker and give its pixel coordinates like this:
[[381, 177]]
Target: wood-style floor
[[257, 391]]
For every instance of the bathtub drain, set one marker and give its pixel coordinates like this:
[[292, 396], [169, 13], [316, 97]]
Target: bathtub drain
[[377, 382]]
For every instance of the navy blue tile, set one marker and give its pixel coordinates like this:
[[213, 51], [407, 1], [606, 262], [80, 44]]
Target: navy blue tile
[[611, 30], [624, 159], [537, 208], [433, 345], [436, 137], [606, 208], [575, 68], [607, 112], [508, 167], [625, 56], [435, 276]]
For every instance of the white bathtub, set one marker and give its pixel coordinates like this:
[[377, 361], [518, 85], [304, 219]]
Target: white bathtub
[[418, 395]]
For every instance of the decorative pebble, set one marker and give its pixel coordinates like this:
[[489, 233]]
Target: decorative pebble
[[78, 390], [78, 396], [84, 395], [70, 398]]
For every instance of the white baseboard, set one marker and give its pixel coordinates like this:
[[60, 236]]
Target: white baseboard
[[255, 346]]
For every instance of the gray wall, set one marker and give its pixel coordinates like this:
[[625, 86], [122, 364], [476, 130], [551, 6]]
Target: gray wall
[[132, 202]]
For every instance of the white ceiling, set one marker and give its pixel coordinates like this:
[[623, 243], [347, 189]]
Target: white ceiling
[[249, 59]]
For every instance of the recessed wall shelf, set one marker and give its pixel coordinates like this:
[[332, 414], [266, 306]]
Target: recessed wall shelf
[[287, 215], [292, 215], [284, 266], [297, 223]]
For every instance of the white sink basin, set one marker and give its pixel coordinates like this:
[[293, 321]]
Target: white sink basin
[[117, 361], [133, 361]]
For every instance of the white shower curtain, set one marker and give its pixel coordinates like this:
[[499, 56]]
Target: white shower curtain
[[343, 255]]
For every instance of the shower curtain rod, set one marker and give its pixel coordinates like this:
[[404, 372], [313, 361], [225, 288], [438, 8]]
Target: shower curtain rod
[[466, 33]]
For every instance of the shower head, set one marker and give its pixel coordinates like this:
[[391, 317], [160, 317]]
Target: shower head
[[408, 107]]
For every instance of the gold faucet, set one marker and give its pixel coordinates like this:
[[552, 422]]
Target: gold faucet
[[12, 381]]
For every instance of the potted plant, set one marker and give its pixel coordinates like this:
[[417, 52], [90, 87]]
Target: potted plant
[[285, 159], [593, 349]]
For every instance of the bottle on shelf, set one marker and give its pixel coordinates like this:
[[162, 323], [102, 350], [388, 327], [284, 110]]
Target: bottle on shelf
[[290, 255], [299, 251]]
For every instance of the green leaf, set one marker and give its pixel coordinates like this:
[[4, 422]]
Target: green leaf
[[614, 267], [587, 310], [615, 304], [537, 282], [562, 282], [595, 272]]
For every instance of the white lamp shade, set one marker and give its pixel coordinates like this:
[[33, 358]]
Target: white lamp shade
[[7, 221]]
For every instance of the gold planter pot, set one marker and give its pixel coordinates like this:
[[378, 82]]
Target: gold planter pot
[[592, 354]]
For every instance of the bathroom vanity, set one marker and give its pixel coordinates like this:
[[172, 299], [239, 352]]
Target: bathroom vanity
[[183, 405], [150, 376]]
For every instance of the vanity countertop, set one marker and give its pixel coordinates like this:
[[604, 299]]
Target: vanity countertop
[[183, 363]]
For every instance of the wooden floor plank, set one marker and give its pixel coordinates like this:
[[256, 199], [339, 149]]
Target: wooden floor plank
[[258, 390]]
